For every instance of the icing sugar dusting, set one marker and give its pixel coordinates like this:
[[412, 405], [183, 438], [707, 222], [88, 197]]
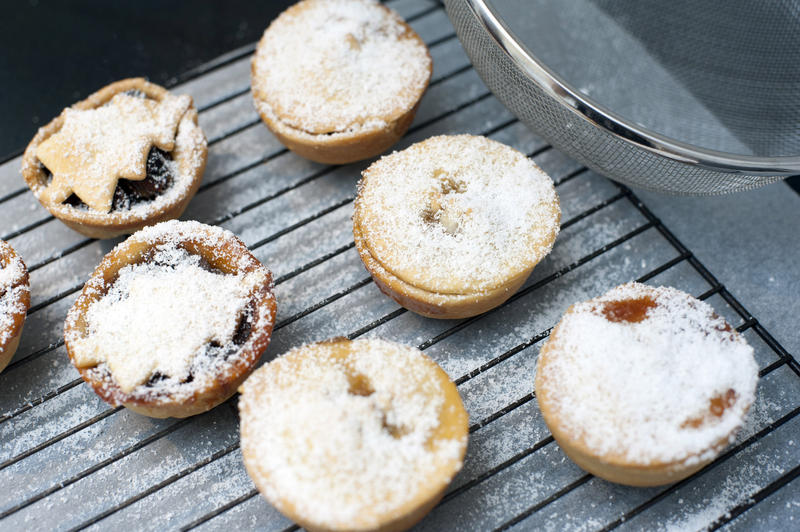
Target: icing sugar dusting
[[456, 212], [666, 385], [341, 456], [12, 293], [10, 274], [339, 65], [158, 315], [172, 315]]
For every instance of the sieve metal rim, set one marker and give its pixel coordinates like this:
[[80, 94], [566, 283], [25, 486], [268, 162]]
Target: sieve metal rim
[[610, 122]]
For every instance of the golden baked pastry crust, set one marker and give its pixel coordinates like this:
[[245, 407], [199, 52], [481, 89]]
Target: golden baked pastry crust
[[228, 255], [613, 466], [189, 154], [616, 463], [454, 225], [338, 148], [326, 140], [433, 304], [280, 375], [19, 290]]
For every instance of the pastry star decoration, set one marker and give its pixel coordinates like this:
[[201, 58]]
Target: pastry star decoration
[[96, 147]]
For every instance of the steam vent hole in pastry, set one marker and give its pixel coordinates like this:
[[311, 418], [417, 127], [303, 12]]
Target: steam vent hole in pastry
[[643, 385], [438, 210]]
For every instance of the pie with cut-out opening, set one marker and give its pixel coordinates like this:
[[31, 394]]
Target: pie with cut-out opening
[[130, 155], [644, 386], [15, 299], [338, 81], [172, 320], [453, 226], [352, 435]]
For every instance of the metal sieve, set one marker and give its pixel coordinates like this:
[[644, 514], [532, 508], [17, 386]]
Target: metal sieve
[[682, 97]]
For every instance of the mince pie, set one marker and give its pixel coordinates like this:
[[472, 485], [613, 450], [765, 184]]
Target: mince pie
[[130, 155], [452, 226], [15, 298], [338, 81], [644, 386], [352, 435], [172, 320]]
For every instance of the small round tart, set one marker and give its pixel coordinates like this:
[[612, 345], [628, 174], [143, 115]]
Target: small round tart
[[15, 299], [453, 226], [128, 156], [360, 435], [339, 81], [172, 320], [644, 386]]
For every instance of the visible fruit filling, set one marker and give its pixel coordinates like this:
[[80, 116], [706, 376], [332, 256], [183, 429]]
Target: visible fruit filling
[[628, 310]]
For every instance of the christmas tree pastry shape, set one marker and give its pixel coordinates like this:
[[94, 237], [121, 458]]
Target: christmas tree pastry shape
[[96, 147]]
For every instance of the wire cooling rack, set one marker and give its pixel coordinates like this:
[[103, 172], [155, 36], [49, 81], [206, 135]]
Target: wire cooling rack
[[69, 461]]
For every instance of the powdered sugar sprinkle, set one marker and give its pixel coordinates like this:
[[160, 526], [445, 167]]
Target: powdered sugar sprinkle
[[455, 213], [172, 315], [327, 67], [666, 389], [12, 291], [338, 457]]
